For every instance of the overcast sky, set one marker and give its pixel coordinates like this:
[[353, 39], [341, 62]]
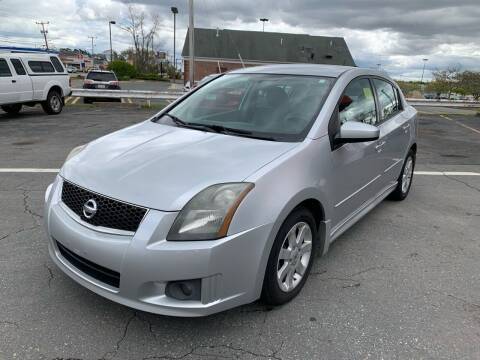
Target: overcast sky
[[396, 34]]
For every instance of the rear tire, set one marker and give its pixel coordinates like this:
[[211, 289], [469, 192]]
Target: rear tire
[[54, 103], [291, 258], [12, 109], [405, 179]]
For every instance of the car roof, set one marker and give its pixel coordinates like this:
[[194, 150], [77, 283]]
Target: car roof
[[102, 71], [334, 71]]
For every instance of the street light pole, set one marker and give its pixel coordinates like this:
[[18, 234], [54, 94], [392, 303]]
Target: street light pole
[[93, 57], [263, 20], [175, 12], [423, 71], [110, 23], [191, 50]]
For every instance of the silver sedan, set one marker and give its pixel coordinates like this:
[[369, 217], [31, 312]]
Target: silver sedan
[[226, 195]]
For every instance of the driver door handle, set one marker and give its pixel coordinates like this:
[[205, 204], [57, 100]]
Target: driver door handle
[[379, 146], [405, 127]]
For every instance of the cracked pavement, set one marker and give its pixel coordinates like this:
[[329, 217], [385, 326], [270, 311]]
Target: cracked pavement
[[403, 283]]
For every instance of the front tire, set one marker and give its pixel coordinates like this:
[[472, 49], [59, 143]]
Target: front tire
[[12, 109], [405, 179], [54, 103], [291, 258]]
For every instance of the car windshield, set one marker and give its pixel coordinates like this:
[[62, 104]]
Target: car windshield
[[273, 107], [101, 76]]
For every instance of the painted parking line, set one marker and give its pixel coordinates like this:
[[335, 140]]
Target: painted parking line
[[75, 100], [426, 173], [447, 173], [130, 101], [28, 170], [67, 99], [461, 124]]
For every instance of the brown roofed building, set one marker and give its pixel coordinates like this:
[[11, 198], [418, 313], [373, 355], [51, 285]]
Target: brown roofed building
[[218, 51]]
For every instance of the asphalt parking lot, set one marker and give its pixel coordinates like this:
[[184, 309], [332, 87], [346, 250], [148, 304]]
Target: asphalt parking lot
[[403, 283]]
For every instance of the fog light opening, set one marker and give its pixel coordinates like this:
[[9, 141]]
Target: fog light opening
[[184, 290]]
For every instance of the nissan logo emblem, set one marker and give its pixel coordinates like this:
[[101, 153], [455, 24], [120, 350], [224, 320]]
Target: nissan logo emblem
[[90, 209]]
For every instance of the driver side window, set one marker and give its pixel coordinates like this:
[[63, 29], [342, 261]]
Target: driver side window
[[358, 103]]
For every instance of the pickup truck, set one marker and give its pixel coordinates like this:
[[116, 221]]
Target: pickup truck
[[30, 79]]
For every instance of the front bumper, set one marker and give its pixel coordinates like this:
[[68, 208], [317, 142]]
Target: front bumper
[[230, 269]]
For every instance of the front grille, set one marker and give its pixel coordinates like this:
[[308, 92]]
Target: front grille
[[110, 213], [95, 271]]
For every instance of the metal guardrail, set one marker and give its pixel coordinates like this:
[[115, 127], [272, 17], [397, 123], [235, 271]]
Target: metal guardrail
[[444, 103], [132, 94], [174, 95]]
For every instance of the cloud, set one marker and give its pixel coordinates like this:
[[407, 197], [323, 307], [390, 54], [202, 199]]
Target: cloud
[[396, 34]]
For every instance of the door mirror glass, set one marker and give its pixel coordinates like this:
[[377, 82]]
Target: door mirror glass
[[352, 131]]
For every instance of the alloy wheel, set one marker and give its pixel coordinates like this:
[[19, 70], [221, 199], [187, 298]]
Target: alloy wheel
[[294, 256], [407, 175]]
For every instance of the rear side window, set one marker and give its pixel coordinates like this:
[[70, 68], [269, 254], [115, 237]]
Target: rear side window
[[57, 64], [41, 66], [17, 65], [101, 76], [387, 99], [4, 69], [358, 103]]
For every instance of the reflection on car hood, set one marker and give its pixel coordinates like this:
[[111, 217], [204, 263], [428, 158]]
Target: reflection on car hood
[[162, 167]]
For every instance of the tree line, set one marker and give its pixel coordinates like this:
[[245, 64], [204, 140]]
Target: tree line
[[448, 81]]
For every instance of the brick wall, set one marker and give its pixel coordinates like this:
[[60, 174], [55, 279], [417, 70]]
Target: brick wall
[[204, 68]]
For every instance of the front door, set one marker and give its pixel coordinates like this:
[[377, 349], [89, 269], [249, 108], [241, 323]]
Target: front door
[[357, 167]]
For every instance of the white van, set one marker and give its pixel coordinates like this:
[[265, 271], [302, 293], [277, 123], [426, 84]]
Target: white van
[[32, 78]]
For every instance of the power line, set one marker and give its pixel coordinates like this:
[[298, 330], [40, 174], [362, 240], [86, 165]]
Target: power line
[[44, 31]]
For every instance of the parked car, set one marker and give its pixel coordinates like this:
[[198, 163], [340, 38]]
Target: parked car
[[30, 79], [226, 195], [71, 69], [100, 79]]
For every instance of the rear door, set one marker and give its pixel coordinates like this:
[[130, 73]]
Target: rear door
[[7, 80], [394, 128], [22, 87], [357, 166]]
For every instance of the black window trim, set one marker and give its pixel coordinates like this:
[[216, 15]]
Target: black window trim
[[41, 62], [8, 66], [332, 132], [395, 90], [21, 64], [52, 58]]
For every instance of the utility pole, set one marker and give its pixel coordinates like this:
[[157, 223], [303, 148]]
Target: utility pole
[[110, 23], [263, 20], [423, 71], [93, 57], [175, 12], [191, 49], [44, 31]]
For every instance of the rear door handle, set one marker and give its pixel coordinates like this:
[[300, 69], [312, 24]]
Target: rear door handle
[[405, 127], [14, 81]]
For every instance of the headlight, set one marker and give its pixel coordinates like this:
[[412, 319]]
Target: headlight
[[208, 214], [75, 151]]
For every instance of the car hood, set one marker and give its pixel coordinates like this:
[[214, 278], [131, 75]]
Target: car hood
[[162, 167]]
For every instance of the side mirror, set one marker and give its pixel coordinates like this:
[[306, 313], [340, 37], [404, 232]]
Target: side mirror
[[352, 132]]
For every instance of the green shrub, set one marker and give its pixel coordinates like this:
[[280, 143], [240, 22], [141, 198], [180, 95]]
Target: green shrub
[[122, 69], [151, 76]]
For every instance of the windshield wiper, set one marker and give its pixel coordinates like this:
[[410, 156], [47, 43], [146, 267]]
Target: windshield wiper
[[239, 132], [217, 128]]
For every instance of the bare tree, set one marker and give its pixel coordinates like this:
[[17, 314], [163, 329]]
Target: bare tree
[[143, 33], [446, 80]]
